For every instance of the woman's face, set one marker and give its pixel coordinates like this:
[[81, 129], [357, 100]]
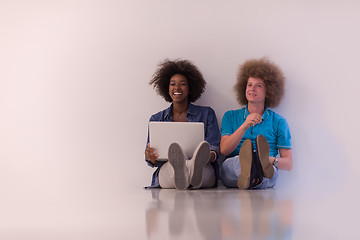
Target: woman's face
[[179, 88], [255, 90]]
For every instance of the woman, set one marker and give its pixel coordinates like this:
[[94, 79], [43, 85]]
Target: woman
[[255, 140], [181, 83]]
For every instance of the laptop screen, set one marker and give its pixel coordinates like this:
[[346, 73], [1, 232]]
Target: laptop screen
[[187, 134]]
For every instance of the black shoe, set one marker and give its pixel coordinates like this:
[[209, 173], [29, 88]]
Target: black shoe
[[256, 172], [265, 168]]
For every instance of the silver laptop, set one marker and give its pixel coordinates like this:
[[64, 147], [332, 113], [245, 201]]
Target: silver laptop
[[187, 134]]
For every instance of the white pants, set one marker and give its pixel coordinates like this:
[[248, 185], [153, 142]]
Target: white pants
[[166, 176]]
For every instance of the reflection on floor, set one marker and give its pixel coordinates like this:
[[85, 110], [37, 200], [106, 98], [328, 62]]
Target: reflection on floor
[[321, 210], [218, 214]]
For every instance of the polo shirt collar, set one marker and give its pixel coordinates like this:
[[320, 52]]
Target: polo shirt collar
[[264, 116]]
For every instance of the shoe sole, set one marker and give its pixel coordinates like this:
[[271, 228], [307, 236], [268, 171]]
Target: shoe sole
[[245, 158], [263, 151], [202, 155], [176, 158]]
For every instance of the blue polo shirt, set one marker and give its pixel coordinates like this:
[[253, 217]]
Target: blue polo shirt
[[273, 127]]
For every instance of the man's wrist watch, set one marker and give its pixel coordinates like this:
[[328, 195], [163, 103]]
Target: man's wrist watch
[[276, 162]]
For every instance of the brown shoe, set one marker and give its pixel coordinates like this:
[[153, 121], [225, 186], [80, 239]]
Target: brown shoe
[[263, 153], [245, 158]]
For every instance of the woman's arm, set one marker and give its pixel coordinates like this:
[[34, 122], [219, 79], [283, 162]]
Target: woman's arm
[[212, 134]]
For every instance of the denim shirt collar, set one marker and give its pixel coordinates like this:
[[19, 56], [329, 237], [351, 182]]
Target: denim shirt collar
[[264, 116], [191, 111]]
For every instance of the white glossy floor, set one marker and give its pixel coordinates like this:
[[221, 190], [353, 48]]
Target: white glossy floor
[[265, 214], [219, 214], [291, 211]]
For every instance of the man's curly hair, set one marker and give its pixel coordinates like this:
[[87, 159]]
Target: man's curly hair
[[270, 73], [168, 68]]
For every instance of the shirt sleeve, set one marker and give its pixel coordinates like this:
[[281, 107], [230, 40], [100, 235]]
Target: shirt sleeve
[[226, 124], [284, 136], [212, 133]]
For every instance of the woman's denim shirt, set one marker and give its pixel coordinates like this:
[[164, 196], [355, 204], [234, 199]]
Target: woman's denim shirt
[[195, 114]]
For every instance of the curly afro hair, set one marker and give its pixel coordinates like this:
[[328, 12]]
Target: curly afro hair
[[168, 68], [270, 73]]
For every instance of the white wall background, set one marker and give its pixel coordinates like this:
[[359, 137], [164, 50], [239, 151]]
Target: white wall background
[[75, 99]]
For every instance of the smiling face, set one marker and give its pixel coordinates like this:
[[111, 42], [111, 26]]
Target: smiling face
[[179, 89], [255, 91]]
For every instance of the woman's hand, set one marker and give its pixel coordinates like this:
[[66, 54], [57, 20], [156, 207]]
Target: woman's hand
[[151, 155], [252, 120], [213, 156]]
